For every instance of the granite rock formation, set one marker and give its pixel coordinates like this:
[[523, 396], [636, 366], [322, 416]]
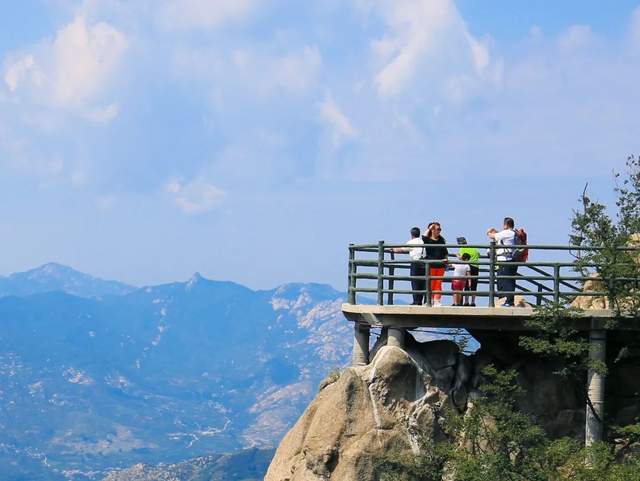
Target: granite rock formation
[[401, 396]]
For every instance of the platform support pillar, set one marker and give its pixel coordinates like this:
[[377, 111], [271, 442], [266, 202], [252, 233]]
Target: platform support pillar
[[594, 426], [360, 345], [395, 337]]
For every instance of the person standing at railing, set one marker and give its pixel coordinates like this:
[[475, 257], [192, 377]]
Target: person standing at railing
[[416, 254], [504, 253], [474, 270], [435, 251], [460, 277]]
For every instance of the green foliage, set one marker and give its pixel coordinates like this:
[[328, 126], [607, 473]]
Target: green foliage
[[613, 269], [594, 227], [494, 441], [428, 466], [630, 433], [497, 441], [556, 338]]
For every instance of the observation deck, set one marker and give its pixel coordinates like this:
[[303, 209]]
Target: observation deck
[[380, 291], [379, 288]]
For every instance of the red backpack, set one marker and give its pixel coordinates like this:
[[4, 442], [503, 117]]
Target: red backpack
[[520, 252]]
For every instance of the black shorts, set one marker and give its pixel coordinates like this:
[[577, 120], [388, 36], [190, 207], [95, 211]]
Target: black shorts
[[472, 284]]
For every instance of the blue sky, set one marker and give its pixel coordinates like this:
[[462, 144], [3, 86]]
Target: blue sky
[[253, 140]]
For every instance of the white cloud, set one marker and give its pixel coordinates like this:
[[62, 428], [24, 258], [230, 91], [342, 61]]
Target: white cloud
[[21, 69], [337, 122], [71, 71], [575, 37], [201, 14], [195, 197], [426, 39]]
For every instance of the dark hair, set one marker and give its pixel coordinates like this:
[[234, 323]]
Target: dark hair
[[466, 256], [415, 232], [508, 221]]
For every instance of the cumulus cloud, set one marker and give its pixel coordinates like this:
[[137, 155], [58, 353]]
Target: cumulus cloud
[[426, 39], [70, 71], [339, 126], [196, 196], [177, 15]]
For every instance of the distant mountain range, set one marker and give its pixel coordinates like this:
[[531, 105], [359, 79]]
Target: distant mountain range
[[96, 374], [56, 277]]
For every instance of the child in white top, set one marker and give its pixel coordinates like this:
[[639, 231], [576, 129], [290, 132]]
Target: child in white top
[[460, 274]]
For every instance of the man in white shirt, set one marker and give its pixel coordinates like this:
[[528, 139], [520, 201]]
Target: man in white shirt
[[504, 239], [416, 254]]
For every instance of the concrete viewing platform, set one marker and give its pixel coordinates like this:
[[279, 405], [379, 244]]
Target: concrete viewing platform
[[481, 318], [555, 277]]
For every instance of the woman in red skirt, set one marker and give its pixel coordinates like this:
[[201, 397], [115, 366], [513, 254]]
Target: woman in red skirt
[[435, 251]]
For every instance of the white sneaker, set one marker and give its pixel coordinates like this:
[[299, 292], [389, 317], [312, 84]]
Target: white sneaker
[[437, 304]]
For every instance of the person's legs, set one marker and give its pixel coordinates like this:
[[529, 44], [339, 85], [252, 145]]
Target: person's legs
[[458, 286], [467, 287], [417, 269], [436, 284], [507, 284], [473, 282], [500, 284], [511, 283]]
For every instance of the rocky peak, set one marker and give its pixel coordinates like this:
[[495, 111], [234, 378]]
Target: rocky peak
[[195, 279]]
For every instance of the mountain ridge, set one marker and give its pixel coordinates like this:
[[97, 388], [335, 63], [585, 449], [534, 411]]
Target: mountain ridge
[[53, 276], [159, 374]]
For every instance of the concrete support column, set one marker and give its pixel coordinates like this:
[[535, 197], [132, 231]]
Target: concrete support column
[[395, 337], [360, 345], [595, 387]]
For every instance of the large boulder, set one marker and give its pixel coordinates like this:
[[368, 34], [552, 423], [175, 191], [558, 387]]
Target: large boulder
[[401, 398], [365, 414]]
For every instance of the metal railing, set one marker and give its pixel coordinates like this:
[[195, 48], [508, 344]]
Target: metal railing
[[552, 277]]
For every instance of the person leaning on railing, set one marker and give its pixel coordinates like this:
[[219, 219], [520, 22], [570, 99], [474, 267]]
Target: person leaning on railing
[[505, 239], [435, 252], [416, 254]]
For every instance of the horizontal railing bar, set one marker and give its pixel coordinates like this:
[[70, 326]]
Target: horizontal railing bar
[[367, 262], [451, 278], [486, 293], [374, 247], [517, 277]]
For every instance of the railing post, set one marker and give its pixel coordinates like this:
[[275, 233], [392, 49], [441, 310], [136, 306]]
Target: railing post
[[360, 356], [556, 284], [380, 272], [351, 286], [611, 281], [492, 274], [392, 271], [427, 289], [594, 425], [539, 297]]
